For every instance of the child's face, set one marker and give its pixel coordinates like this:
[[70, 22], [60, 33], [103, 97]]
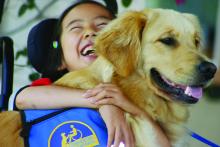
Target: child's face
[[79, 28]]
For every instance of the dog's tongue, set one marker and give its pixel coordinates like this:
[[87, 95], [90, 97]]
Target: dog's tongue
[[195, 92]]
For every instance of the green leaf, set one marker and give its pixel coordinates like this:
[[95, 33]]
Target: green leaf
[[21, 53], [22, 9], [31, 1], [31, 4], [34, 76], [126, 3]]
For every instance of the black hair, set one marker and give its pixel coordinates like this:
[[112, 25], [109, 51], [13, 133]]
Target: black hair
[[55, 58]]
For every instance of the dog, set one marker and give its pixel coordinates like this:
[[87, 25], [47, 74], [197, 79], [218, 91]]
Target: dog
[[155, 57]]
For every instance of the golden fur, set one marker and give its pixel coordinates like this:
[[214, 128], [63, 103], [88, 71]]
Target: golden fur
[[128, 48]]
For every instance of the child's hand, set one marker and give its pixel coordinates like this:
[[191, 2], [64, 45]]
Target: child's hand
[[118, 128], [110, 94], [106, 93]]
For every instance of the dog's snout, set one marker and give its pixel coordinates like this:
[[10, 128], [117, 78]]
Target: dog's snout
[[207, 70]]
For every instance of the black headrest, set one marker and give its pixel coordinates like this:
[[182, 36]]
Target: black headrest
[[39, 43]]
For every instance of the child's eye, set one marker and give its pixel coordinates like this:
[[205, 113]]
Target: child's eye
[[75, 28], [101, 25]]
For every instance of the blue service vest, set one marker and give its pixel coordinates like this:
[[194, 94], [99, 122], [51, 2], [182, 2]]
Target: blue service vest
[[73, 127]]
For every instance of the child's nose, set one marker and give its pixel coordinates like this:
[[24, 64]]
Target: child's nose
[[89, 33]]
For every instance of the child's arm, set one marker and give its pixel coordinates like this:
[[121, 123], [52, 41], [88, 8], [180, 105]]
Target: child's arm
[[51, 97]]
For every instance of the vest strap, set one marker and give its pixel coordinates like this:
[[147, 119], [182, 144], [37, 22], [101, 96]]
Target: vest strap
[[25, 133]]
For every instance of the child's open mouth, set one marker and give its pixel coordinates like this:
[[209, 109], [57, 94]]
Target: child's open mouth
[[88, 50]]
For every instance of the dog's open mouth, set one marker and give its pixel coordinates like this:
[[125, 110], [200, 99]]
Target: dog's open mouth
[[183, 93]]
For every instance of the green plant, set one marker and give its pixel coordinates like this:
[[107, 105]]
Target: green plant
[[29, 5]]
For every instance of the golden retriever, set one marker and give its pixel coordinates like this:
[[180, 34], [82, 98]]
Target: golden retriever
[[154, 56]]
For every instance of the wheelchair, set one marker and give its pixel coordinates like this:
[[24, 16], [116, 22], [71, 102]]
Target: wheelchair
[[7, 60]]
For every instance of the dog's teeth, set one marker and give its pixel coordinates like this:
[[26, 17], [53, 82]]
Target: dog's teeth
[[187, 91]]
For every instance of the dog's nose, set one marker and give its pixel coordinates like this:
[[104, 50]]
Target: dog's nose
[[207, 70]]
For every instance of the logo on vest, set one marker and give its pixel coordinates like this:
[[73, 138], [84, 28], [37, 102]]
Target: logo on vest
[[73, 134]]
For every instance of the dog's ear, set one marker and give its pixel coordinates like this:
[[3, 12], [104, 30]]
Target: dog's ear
[[120, 41], [192, 18], [195, 21]]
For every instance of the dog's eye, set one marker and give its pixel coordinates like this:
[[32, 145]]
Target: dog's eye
[[168, 41]]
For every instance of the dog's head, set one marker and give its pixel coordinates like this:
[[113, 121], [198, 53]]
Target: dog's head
[[164, 47]]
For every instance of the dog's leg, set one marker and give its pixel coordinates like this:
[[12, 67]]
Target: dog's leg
[[10, 127]]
